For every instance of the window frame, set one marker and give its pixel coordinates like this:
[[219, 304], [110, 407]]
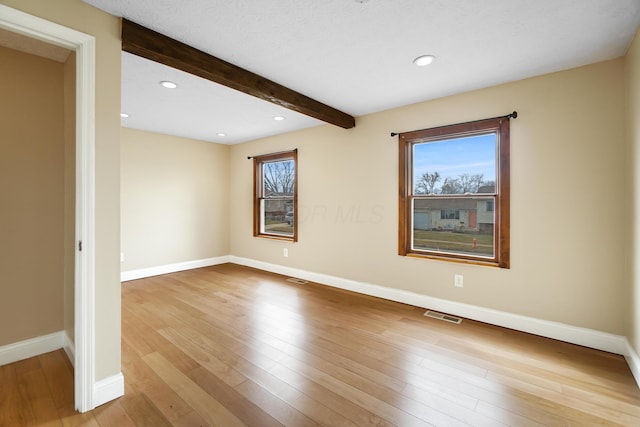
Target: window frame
[[258, 196], [407, 140]]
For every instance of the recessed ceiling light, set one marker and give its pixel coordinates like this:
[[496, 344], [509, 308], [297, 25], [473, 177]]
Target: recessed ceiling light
[[278, 118], [424, 60], [221, 134], [168, 84], [124, 115]]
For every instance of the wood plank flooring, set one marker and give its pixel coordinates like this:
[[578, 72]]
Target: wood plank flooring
[[233, 346]]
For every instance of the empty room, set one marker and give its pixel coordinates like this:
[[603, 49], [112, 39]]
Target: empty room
[[337, 213]]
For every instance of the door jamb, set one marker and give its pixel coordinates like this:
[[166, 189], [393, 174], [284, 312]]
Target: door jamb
[[84, 298]]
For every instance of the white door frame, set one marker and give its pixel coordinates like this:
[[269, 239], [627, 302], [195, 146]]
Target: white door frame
[[84, 299]]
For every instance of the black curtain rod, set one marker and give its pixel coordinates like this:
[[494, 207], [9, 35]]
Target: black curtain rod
[[513, 115], [272, 154]]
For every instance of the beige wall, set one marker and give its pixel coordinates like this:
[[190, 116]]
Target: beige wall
[[175, 199], [106, 29], [32, 189], [632, 74], [567, 181]]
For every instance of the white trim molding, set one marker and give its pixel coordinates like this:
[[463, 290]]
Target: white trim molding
[[85, 47], [70, 348], [555, 330], [171, 268], [108, 389], [633, 361], [32, 347], [85, 225]]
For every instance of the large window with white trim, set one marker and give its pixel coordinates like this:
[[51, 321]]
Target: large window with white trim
[[454, 192]]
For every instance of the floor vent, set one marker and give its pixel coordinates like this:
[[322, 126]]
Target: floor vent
[[445, 317], [296, 281]]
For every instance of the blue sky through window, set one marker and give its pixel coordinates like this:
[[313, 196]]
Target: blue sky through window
[[452, 157]]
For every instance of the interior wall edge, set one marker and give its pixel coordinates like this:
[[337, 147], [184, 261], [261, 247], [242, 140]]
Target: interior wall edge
[[69, 348]]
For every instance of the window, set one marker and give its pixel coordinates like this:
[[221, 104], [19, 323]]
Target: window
[[275, 212], [489, 205], [454, 193], [449, 214]]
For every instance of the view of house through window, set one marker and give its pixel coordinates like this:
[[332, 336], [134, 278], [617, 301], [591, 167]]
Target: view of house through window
[[453, 167], [276, 195], [453, 178]]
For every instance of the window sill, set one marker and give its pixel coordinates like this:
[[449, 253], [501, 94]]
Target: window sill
[[276, 237], [487, 263]]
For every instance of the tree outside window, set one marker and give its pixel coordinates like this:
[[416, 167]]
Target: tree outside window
[[275, 201], [454, 192]]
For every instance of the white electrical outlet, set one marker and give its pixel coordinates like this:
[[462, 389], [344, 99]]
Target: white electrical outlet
[[285, 252], [121, 256], [458, 280]]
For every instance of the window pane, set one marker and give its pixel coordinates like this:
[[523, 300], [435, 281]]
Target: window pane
[[275, 199], [490, 206], [278, 178], [454, 192], [455, 166], [277, 216], [454, 225]]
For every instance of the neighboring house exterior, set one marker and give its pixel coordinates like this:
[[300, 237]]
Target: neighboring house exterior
[[277, 205], [454, 214], [485, 215]]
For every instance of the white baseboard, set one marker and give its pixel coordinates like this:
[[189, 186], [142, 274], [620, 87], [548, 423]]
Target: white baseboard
[[171, 268], [108, 389], [573, 334], [32, 347], [37, 346], [70, 348], [633, 361]]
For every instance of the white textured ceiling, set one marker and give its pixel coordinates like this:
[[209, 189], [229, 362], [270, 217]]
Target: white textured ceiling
[[355, 55]]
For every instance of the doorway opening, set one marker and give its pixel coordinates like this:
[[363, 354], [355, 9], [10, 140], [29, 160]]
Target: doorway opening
[[28, 27]]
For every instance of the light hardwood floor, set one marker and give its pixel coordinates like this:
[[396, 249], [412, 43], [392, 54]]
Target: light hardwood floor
[[231, 346]]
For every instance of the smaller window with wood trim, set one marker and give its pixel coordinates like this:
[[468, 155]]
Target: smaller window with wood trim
[[454, 192], [275, 204]]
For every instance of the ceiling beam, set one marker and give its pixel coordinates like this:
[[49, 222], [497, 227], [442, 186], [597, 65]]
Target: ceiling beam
[[157, 47]]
